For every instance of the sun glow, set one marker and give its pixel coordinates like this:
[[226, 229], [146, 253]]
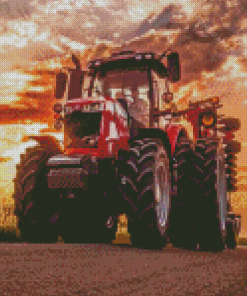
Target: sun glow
[[15, 82], [24, 28], [8, 99], [191, 92], [13, 142], [13, 40], [13, 147], [16, 76], [234, 69]]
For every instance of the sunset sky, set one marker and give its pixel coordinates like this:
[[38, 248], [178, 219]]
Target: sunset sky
[[36, 37]]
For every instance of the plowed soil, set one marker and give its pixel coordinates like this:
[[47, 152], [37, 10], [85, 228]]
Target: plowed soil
[[73, 269]]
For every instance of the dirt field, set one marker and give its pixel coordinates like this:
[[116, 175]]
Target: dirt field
[[66, 269]]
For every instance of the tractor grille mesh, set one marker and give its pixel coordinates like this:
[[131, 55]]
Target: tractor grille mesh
[[82, 129]]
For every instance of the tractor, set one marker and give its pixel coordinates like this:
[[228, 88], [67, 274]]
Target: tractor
[[126, 152]]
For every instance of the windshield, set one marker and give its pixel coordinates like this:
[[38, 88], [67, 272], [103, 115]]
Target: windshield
[[133, 86]]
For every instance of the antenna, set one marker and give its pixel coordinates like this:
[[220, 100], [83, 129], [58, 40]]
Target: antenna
[[76, 61]]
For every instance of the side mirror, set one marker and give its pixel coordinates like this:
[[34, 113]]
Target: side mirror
[[58, 124], [173, 67], [167, 97], [61, 80], [75, 84]]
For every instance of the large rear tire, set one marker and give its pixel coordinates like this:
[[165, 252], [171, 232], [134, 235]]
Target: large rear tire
[[213, 195], [36, 208], [153, 202], [183, 220]]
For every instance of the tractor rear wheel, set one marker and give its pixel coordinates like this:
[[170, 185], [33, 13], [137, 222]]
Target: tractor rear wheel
[[153, 202], [212, 196], [36, 208], [183, 220]]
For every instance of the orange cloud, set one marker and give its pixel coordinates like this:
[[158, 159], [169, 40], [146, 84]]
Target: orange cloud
[[5, 159]]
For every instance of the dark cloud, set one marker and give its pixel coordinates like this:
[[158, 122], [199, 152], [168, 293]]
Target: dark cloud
[[12, 9], [217, 22], [201, 42], [196, 57]]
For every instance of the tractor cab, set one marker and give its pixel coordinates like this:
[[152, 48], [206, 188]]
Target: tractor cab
[[129, 83], [136, 80]]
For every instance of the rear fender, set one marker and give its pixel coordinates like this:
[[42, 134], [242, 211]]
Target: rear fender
[[169, 136], [173, 132], [154, 133]]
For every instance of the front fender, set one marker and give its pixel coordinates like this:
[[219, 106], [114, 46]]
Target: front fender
[[47, 140], [173, 131]]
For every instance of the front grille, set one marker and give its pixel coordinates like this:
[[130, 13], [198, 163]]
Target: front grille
[[82, 129], [67, 178]]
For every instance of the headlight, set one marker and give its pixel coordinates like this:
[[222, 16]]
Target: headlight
[[96, 107], [208, 120], [139, 57], [93, 141], [86, 108], [68, 109], [97, 63], [58, 108], [148, 56]]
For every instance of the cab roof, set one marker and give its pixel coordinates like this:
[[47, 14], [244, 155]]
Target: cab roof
[[129, 60]]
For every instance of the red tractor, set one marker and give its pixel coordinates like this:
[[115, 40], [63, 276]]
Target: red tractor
[[123, 153]]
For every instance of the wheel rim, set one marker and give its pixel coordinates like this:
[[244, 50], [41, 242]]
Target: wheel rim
[[162, 188], [221, 191]]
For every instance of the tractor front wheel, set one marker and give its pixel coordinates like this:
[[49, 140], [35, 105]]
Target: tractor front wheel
[[154, 194], [36, 208]]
